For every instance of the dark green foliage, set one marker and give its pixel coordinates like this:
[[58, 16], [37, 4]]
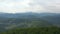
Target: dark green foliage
[[36, 30]]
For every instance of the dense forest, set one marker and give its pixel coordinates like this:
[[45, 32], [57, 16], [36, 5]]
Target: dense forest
[[30, 23], [36, 30]]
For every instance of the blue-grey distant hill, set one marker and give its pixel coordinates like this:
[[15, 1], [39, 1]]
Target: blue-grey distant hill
[[10, 20]]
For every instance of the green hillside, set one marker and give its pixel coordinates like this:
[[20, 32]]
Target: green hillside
[[36, 30]]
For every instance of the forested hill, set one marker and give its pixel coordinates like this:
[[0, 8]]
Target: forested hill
[[34, 30], [27, 20]]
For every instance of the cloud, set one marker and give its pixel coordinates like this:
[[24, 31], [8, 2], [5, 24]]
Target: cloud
[[13, 6], [48, 5], [53, 7]]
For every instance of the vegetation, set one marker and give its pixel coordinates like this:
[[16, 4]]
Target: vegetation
[[36, 30], [29, 23]]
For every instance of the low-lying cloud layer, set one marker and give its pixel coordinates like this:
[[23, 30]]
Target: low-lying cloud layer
[[13, 6]]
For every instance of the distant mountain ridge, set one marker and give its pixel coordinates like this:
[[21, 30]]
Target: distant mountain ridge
[[11, 15], [9, 20], [45, 16]]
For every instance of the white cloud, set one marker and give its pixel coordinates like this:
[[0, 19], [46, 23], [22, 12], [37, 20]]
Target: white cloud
[[12, 6], [50, 5]]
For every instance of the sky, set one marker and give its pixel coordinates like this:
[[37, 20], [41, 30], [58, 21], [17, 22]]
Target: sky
[[38, 6]]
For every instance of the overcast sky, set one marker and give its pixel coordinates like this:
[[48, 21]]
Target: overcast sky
[[16, 6]]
